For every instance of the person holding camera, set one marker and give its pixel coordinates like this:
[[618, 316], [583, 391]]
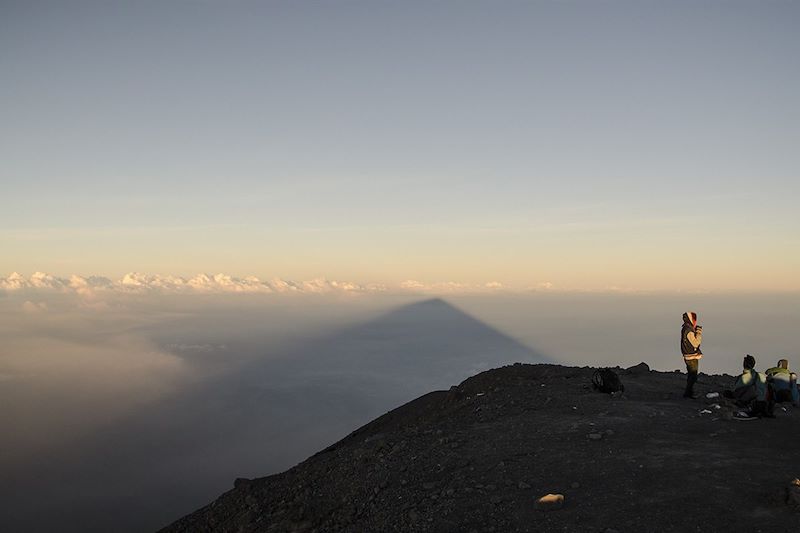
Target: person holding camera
[[691, 336]]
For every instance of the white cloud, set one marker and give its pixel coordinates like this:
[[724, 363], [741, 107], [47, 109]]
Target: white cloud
[[279, 285], [86, 287], [321, 285], [91, 288], [136, 282], [14, 282], [40, 280], [449, 287], [412, 285]]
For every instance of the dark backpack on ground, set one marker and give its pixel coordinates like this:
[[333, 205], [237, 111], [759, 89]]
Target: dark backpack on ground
[[606, 380]]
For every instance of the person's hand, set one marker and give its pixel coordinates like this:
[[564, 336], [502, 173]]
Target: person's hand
[[699, 327]]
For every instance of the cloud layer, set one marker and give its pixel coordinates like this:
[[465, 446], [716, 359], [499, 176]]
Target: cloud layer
[[135, 282]]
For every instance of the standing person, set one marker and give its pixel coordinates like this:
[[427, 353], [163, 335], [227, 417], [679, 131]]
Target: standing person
[[691, 336]]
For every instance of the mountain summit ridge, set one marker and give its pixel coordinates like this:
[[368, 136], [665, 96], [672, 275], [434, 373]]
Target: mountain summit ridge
[[476, 457]]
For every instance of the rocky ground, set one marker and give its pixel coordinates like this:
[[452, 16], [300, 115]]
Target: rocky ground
[[477, 458]]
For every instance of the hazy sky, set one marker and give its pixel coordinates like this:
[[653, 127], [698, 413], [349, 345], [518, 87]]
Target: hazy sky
[[587, 144]]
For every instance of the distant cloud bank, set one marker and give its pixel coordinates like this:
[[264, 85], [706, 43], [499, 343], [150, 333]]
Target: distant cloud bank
[[135, 282], [444, 287]]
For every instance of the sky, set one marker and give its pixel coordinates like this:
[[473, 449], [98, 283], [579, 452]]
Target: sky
[[202, 199], [575, 145]]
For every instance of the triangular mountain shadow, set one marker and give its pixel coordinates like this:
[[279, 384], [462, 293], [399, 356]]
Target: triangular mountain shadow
[[422, 346], [259, 420]]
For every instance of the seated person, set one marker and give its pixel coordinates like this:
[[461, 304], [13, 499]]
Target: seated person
[[750, 390], [795, 389], [784, 383]]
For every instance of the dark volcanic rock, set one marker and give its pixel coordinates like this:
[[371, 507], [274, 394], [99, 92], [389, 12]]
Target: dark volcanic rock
[[636, 370], [455, 460]]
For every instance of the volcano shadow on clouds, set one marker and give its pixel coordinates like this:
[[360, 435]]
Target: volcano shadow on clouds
[[331, 385], [151, 467], [417, 348]]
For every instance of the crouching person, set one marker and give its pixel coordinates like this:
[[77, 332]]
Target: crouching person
[[783, 383]]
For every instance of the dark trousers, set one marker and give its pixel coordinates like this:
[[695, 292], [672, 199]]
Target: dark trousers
[[742, 396], [692, 365], [783, 395]]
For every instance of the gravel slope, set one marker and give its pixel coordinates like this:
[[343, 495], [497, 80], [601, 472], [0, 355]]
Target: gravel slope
[[477, 457]]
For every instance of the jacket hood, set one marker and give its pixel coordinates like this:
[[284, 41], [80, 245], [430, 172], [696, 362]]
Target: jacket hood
[[690, 318]]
